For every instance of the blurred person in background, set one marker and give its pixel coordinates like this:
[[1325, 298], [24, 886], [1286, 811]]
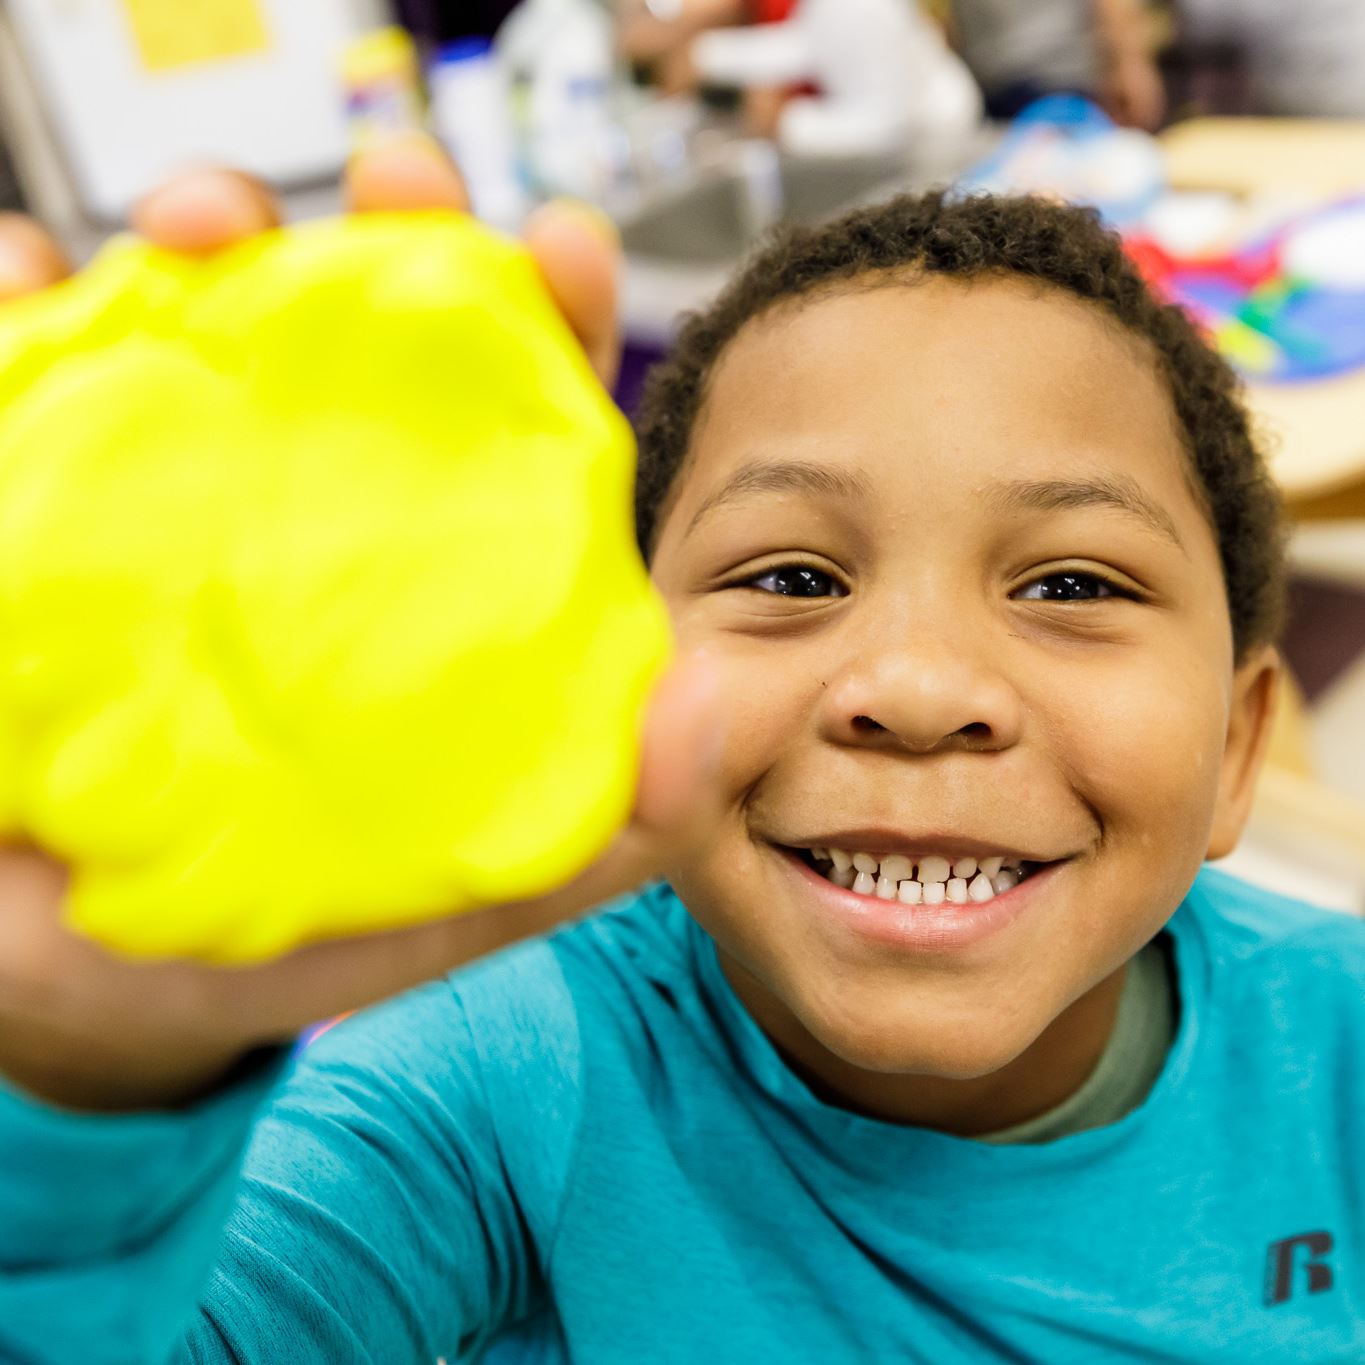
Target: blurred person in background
[[1306, 59], [657, 37], [1099, 48], [825, 78]]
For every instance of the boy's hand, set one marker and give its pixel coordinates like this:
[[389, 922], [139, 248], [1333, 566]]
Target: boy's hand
[[205, 211], [82, 1028]]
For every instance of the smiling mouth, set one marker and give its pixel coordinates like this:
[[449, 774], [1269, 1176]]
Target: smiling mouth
[[932, 879]]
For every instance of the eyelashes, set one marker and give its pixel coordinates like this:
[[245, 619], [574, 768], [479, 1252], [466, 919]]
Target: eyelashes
[[795, 580], [1063, 586], [1073, 588]]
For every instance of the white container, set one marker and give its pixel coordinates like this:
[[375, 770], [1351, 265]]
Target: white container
[[559, 59], [887, 78], [471, 114]]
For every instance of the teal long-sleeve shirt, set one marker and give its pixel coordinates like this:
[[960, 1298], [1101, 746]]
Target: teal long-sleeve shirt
[[583, 1149]]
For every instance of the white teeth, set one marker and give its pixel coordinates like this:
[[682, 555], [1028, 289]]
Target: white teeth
[[897, 868], [934, 870], [964, 880]]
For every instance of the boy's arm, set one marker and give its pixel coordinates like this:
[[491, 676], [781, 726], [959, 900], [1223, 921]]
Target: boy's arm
[[370, 1221], [108, 1224], [1131, 89]]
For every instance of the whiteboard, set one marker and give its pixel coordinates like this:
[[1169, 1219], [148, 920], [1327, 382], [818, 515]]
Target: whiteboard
[[137, 89]]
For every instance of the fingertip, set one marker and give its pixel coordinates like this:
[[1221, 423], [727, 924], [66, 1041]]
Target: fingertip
[[204, 211], [579, 254], [575, 215], [30, 258], [406, 171]]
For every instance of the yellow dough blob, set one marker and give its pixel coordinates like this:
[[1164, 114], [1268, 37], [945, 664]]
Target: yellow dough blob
[[320, 607]]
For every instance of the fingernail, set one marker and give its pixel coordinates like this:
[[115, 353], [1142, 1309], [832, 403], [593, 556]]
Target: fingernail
[[600, 224]]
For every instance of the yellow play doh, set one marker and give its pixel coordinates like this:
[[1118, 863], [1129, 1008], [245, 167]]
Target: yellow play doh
[[320, 608]]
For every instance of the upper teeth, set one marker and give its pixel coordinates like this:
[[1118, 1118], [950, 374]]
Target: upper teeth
[[931, 878]]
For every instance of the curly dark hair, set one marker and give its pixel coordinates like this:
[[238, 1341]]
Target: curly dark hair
[[1065, 247]]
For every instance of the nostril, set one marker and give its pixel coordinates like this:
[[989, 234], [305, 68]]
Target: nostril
[[867, 725]]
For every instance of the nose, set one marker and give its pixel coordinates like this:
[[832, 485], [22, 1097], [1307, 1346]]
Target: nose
[[921, 692]]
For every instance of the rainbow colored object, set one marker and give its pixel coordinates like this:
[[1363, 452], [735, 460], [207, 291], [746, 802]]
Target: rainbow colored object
[[1273, 322]]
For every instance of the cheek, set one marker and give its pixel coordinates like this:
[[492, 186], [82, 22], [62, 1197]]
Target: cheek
[[1141, 740]]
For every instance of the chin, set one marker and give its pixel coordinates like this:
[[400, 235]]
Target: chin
[[916, 1043]]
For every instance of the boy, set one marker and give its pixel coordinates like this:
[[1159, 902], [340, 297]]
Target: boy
[[977, 530]]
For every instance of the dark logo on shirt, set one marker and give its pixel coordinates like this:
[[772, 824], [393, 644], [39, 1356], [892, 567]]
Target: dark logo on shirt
[[1302, 1252]]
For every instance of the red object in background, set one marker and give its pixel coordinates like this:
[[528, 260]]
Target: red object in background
[[774, 12], [1247, 269]]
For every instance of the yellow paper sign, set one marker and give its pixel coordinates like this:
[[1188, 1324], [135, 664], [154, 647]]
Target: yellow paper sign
[[170, 34]]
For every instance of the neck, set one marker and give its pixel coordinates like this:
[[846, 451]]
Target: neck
[[1050, 1070]]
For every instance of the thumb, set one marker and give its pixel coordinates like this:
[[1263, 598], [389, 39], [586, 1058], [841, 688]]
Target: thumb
[[678, 801]]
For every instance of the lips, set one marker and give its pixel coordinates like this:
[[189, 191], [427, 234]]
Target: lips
[[923, 919]]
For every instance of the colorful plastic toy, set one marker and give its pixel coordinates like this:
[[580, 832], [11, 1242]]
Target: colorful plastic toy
[[1286, 308], [320, 608]]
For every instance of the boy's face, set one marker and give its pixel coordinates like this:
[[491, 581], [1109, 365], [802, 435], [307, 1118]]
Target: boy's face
[[902, 579]]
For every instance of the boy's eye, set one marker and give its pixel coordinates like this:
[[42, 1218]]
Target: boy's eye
[[1070, 587], [796, 580]]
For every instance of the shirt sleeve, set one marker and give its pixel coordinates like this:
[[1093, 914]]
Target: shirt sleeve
[[370, 1220]]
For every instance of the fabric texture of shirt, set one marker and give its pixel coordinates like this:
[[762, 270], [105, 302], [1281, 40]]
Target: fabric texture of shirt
[[583, 1148], [1047, 44]]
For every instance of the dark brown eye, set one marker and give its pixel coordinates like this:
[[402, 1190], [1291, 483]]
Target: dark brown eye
[[796, 580], [1070, 587]]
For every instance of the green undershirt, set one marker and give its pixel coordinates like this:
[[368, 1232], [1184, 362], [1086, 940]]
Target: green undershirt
[[1131, 1061]]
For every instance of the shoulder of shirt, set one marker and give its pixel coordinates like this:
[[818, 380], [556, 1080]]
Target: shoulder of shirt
[[638, 937], [1249, 924]]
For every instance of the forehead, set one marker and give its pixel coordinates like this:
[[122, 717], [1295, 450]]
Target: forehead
[[989, 377]]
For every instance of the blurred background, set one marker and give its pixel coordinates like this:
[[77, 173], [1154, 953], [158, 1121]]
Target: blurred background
[[1225, 139]]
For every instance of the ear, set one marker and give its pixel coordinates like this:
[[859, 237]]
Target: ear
[[1255, 690]]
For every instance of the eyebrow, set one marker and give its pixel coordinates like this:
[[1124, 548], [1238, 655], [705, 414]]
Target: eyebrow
[[1115, 491], [783, 476], [1033, 495]]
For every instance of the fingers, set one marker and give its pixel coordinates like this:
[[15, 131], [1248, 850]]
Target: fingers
[[204, 211], [408, 171], [30, 259], [579, 254]]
